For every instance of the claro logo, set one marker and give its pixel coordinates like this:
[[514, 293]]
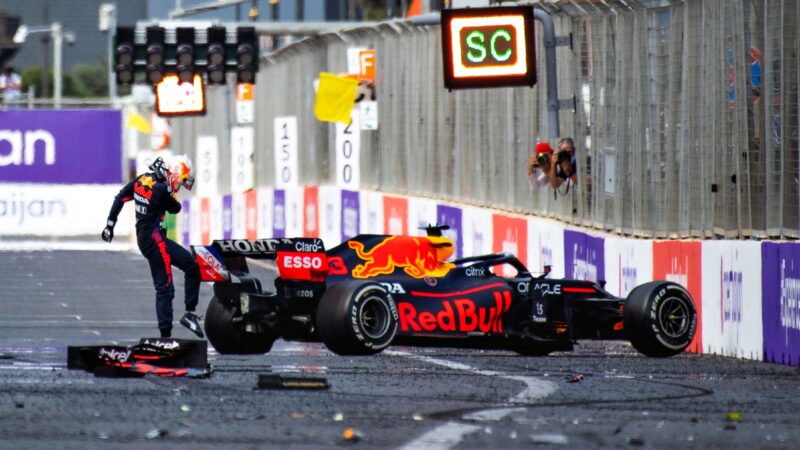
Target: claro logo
[[18, 148]]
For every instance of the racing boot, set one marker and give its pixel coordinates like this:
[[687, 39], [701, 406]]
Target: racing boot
[[192, 322]]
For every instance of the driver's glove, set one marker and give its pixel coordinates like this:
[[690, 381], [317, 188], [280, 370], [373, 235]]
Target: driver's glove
[[108, 231]]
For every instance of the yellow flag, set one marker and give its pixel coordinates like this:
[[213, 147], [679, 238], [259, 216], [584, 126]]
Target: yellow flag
[[335, 98], [138, 123]]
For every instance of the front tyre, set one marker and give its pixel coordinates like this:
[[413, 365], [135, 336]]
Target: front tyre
[[660, 318], [356, 318], [228, 337]]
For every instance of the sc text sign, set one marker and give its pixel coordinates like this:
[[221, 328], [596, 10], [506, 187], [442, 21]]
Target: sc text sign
[[488, 47]]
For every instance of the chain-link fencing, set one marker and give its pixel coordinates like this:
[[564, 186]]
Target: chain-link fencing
[[686, 119]]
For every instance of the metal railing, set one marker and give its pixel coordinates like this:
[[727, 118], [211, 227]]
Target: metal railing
[[686, 125]]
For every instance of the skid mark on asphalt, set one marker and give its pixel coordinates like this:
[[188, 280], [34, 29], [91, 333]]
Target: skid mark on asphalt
[[451, 433]]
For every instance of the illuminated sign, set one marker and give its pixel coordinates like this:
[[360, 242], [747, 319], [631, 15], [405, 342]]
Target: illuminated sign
[[174, 98], [488, 47]]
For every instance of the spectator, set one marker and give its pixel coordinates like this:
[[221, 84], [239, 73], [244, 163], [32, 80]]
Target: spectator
[[11, 85], [539, 165], [563, 167]]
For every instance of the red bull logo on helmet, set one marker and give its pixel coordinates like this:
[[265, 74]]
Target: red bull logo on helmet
[[419, 257]]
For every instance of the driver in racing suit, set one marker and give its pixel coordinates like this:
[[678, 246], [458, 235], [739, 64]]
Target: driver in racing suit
[[154, 194]]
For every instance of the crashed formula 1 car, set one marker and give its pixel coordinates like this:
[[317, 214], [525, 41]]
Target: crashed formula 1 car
[[375, 290]]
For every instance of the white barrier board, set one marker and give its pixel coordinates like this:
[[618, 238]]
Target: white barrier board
[[59, 210]]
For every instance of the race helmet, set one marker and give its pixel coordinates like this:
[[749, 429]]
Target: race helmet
[[159, 168], [180, 172]]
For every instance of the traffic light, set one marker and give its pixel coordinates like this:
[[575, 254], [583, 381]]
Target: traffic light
[[216, 55], [123, 55], [246, 56], [184, 54], [155, 55], [151, 54]]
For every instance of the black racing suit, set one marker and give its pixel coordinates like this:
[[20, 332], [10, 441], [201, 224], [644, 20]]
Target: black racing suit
[[153, 199]]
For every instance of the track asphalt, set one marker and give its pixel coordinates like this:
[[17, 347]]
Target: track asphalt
[[403, 398]]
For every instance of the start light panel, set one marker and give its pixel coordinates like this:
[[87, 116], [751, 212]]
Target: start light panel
[[488, 47]]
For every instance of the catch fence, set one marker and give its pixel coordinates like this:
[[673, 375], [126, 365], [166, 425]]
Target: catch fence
[[686, 122]]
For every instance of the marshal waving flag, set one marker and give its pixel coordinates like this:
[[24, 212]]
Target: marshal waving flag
[[335, 98]]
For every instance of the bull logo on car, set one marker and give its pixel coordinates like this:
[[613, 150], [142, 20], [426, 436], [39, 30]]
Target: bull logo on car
[[418, 256]]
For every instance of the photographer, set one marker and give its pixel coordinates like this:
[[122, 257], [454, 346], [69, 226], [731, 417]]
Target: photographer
[[562, 167], [540, 165]]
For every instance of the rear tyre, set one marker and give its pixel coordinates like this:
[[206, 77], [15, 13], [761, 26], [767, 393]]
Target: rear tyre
[[660, 318], [355, 318], [229, 338]]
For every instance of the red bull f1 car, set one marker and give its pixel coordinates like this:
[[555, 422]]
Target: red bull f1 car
[[376, 290]]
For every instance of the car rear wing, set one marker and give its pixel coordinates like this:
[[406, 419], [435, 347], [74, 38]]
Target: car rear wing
[[297, 258]]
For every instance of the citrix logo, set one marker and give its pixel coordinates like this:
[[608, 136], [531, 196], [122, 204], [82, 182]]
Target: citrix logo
[[23, 147]]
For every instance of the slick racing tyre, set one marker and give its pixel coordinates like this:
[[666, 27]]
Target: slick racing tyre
[[660, 318], [356, 318], [229, 338]]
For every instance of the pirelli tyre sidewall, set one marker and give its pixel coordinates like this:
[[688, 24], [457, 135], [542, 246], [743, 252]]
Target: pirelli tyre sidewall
[[660, 318], [357, 318]]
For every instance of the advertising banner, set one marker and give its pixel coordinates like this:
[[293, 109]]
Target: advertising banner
[[510, 235], [451, 216], [421, 213], [628, 263], [237, 216], [59, 210], [217, 217], [311, 212], [185, 222], [265, 198], [52, 146], [193, 227], [330, 215], [294, 211], [680, 261], [279, 213], [780, 283], [251, 214], [395, 215], [477, 228], [351, 214], [545, 247], [227, 217], [584, 256], [205, 221], [371, 219], [732, 299]]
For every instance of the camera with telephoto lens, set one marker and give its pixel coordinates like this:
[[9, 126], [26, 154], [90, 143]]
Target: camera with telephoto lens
[[542, 159], [563, 156]]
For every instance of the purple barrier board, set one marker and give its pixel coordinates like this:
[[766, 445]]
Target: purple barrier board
[[451, 216], [279, 214], [61, 147], [584, 256], [780, 308], [227, 216], [350, 214], [186, 221]]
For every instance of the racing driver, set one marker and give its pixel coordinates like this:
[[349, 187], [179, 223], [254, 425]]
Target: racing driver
[[154, 194]]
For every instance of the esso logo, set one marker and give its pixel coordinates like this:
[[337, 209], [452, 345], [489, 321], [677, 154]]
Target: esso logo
[[302, 262]]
